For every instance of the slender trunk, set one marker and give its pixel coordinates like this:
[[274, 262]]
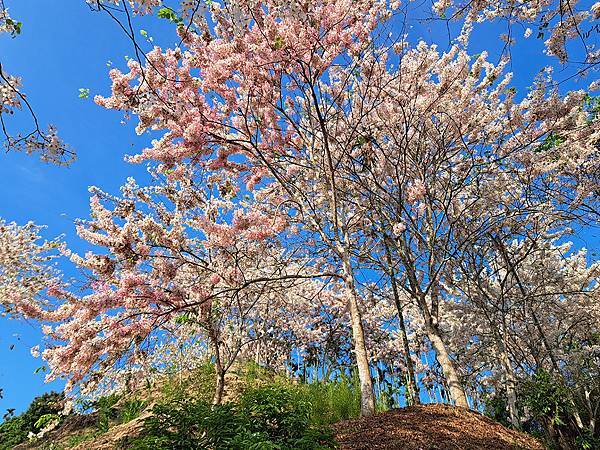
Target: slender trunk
[[591, 411], [257, 354], [511, 394], [219, 385], [367, 399], [456, 390], [443, 357], [413, 393], [219, 370]]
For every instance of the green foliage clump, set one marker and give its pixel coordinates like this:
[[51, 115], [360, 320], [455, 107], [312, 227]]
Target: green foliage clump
[[495, 406], [42, 409], [131, 409], [275, 416], [559, 415], [114, 409], [587, 441], [333, 401], [107, 411], [550, 141], [12, 432], [546, 398]]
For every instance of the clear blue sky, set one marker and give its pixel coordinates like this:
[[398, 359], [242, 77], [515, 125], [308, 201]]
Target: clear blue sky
[[63, 47]]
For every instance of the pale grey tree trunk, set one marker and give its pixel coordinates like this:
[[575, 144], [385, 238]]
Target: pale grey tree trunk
[[219, 369], [367, 403], [511, 394], [454, 386]]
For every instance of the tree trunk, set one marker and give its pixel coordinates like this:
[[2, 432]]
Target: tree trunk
[[219, 370], [413, 392], [511, 394], [367, 399], [219, 385], [456, 390]]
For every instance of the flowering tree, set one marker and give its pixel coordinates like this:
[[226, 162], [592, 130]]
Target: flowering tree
[[530, 305], [259, 97], [321, 191], [25, 268], [304, 98], [558, 22]]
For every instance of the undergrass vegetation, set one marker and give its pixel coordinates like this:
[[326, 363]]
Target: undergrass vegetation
[[262, 410]]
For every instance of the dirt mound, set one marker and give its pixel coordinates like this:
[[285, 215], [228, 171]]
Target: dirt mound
[[430, 427]]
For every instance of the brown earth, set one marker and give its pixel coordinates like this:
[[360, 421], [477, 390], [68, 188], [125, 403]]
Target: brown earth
[[430, 427]]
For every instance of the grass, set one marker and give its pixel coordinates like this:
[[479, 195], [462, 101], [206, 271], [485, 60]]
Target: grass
[[323, 403], [333, 401]]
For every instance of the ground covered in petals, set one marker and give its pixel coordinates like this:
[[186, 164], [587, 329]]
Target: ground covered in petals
[[430, 427]]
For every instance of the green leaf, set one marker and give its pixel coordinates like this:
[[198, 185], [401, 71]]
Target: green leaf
[[169, 14], [550, 141], [40, 369], [45, 420], [15, 26], [278, 43]]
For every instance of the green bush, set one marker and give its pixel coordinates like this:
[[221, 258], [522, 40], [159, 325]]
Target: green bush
[[277, 411], [546, 398], [114, 409], [495, 406], [554, 409], [186, 424], [14, 430], [587, 441], [107, 411], [131, 409], [271, 417]]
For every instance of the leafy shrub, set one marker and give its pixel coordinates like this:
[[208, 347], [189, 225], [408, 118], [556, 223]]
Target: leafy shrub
[[46, 420], [556, 413], [14, 430], [107, 411], [277, 411], [113, 409], [587, 441], [546, 398], [131, 409], [496, 407], [270, 417]]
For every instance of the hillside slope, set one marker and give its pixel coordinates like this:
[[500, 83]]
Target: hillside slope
[[427, 427], [116, 421]]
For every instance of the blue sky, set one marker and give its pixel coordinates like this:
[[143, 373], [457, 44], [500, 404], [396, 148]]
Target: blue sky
[[60, 50], [65, 46]]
